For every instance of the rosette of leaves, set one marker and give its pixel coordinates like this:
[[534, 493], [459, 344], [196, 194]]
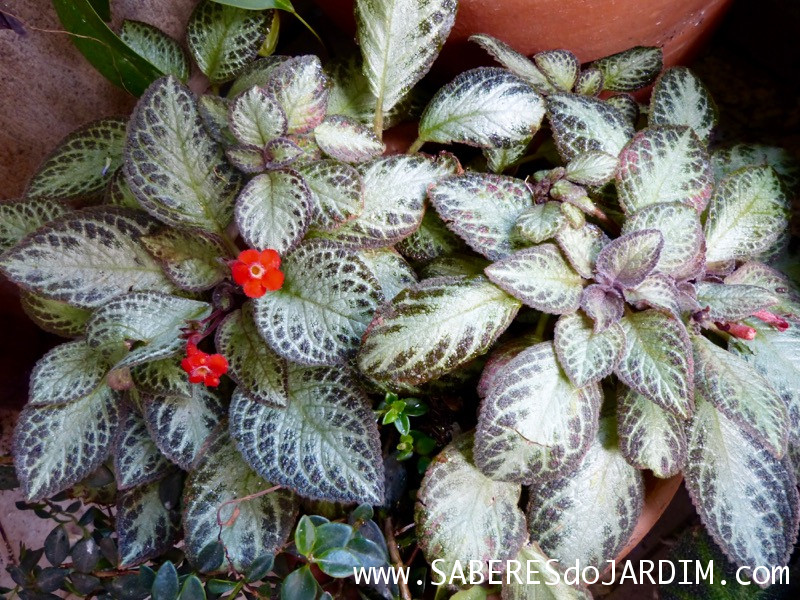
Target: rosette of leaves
[[666, 338]]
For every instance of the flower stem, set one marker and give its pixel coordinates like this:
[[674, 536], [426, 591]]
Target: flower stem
[[418, 143]]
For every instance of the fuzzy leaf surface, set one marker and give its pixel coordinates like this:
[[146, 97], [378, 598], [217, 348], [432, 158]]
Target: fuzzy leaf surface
[[656, 291], [631, 69], [592, 168], [539, 581], [145, 527], [582, 124], [733, 158], [390, 270], [540, 222], [159, 49], [58, 318], [137, 460], [517, 63], [680, 98], [581, 247], [301, 89], [432, 240], [586, 355], [605, 306], [345, 139], [561, 67], [67, 372], [255, 117], [729, 302], [778, 284], [22, 217], [631, 257], [337, 193], [193, 261]]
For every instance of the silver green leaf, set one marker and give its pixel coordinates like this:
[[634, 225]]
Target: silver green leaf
[[684, 243], [67, 372], [433, 327], [399, 41], [487, 107], [775, 282], [86, 258], [658, 360], [605, 491], [217, 491], [500, 159], [19, 218], [520, 65], [259, 372], [503, 353], [214, 112], [176, 170], [631, 69], [590, 82], [274, 210], [224, 39], [627, 106], [539, 277], [337, 193], [57, 445], [344, 138], [301, 89], [118, 192], [739, 392], [538, 223], [656, 291], [256, 73], [649, 436], [323, 445], [327, 300], [534, 424], [55, 317], [733, 158], [592, 168], [454, 487], [680, 98], [603, 304], [457, 265], [394, 194], [137, 460], [145, 526], [193, 261], [255, 118], [747, 499], [543, 580], [82, 163], [631, 257], [586, 355], [156, 47], [730, 302], [432, 240], [140, 327], [581, 247], [747, 215], [391, 271], [582, 124], [561, 67], [482, 209], [666, 164]]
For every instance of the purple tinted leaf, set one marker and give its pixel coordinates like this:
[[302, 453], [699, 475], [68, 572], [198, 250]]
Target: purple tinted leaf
[[604, 305], [629, 259]]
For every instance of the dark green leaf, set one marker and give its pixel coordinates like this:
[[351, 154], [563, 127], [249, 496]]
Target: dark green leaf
[[305, 536], [50, 579], [210, 557], [56, 546], [332, 535], [260, 567], [165, 586], [84, 584], [192, 589], [85, 555], [299, 585]]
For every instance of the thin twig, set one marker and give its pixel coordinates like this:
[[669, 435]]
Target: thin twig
[[397, 560], [235, 515], [11, 559]]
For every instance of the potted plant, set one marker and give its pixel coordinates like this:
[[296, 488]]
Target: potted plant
[[268, 317]]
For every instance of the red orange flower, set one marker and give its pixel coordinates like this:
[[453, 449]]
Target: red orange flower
[[203, 367], [258, 272]]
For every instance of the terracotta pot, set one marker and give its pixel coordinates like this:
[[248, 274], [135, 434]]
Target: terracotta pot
[[590, 28]]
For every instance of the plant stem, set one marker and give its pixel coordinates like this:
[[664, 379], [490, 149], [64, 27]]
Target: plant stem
[[418, 143], [235, 591], [378, 123], [541, 325], [397, 560]]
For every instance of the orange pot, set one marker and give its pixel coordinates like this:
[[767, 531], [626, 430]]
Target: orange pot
[[590, 28]]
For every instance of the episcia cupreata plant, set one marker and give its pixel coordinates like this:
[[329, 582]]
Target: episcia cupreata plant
[[244, 276]]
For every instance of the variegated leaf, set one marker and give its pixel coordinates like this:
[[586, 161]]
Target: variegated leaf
[[776, 283], [458, 265], [543, 580], [667, 164], [324, 444], [217, 491], [582, 124], [590, 82], [193, 261], [534, 424], [399, 41], [337, 193], [603, 304], [649, 436], [260, 373], [433, 327], [248, 159], [22, 217], [301, 89], [658, 360], [146, 527], [738, 391], [256, 73], [539, 277], [118, 192], [453, 487], [627, 107], [224, 39], [592, 168], [214, 113], [586, 355], [432, 240], [581, 247], [482, 209], [747, 215], [176, 170], [57, 445], [561, 67], [486, 107], [747, 499], [55, 317], [538, 223], [684, 243], [656, 291], [727, 160], [680, 98], [274, 210], [394, 193], [500, 159], [327, 300], [631, 69], [392, 273], [82, 163], [344, 138], [605, 491], [729, 302], [515, 62], [503, 354], [140, 327], [255, 117], [631, 257], [137, 460], [66, 373], [86, 258], [159, 49]]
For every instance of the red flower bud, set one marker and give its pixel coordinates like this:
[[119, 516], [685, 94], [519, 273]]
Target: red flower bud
[[772, 319]]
